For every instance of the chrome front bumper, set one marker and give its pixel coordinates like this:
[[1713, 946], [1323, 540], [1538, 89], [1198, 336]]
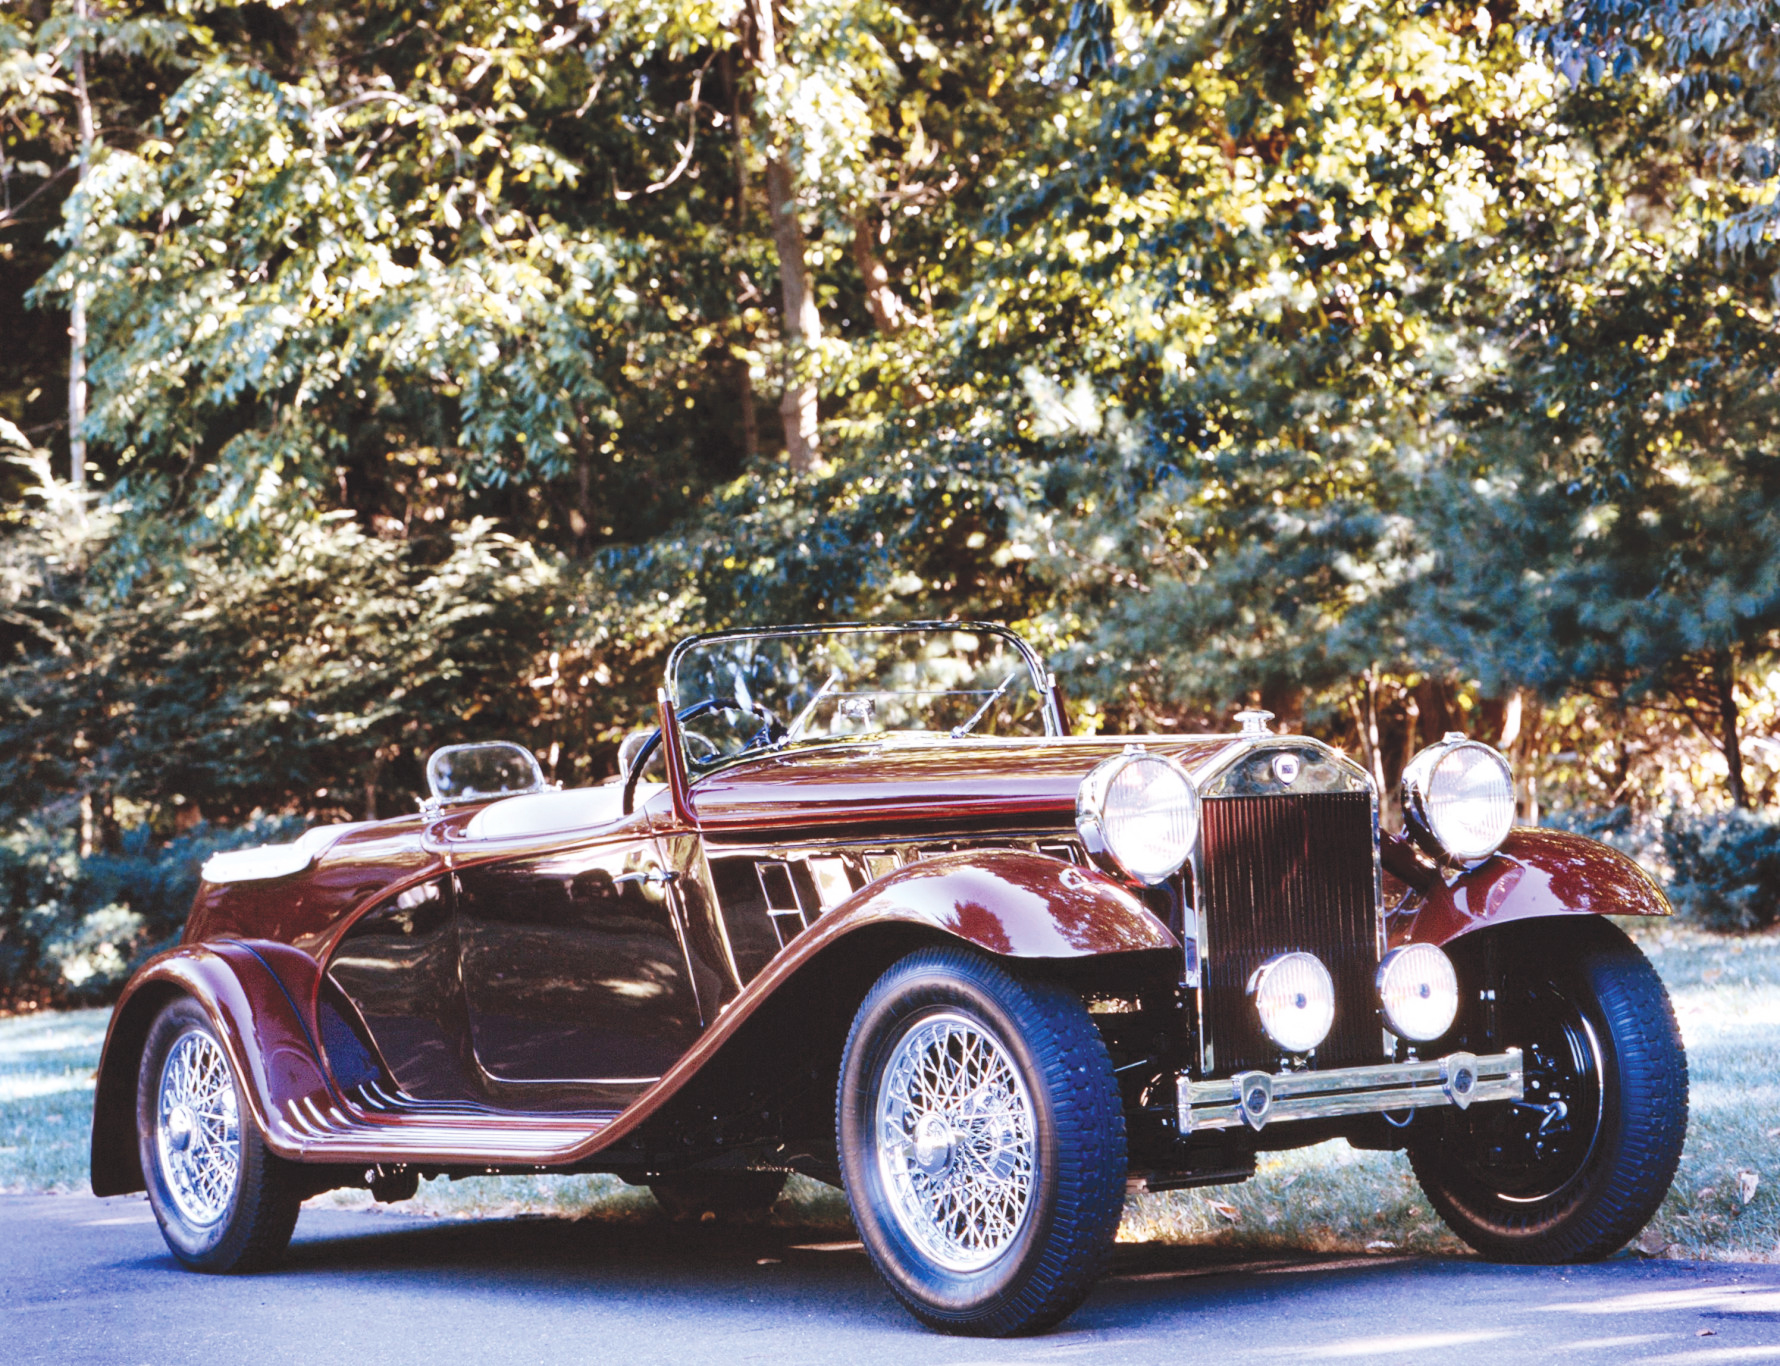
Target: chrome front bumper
[[1257, 1098]]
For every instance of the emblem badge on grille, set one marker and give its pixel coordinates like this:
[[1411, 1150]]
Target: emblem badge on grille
[[1285, 768], [1254, 1097]]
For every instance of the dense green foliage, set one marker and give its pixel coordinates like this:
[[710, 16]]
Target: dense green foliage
[[1726, 868], [1397, 366], [71, 928]]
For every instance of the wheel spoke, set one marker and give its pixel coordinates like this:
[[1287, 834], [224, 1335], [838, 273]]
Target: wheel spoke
[[198, 1136], [957, 1140]]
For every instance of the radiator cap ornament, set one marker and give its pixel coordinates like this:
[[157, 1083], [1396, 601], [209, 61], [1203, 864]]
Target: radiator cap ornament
[[1254, 722]]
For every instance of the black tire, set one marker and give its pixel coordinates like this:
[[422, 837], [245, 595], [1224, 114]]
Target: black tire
[[1052, 1146], [693, 1197], [1538, 1182], [251, 1217]]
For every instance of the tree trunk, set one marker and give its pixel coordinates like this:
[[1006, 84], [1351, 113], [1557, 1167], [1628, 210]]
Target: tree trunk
[[1724, 680], [1372, 746], [738, 135], [1511, 722], [77, 399], [1523, 759], [1363, 706], [98, 822], [802, 324], [887, 309], [750, 422], [1491, 720], [373, 779], [77, 308], [1364, 709], [1286, 701], [744, 368], [581, 515], [1434, 705]]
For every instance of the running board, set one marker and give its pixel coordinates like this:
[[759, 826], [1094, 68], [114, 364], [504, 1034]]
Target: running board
[[377, 1125]]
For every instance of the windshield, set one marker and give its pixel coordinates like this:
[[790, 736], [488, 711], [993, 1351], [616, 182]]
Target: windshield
[[760, 690]]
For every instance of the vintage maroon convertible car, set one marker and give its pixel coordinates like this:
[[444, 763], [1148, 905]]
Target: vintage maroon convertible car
[[883, 921]]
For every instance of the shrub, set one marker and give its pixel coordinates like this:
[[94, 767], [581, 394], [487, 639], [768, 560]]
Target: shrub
[[72, 929], [1726, 868]]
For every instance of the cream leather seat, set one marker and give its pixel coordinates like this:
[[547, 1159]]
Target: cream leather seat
[[553, 813]]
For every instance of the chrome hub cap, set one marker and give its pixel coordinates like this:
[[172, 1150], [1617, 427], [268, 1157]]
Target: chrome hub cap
[[933, 1145], [179, 1128], [957, 1141], [198, 1129]]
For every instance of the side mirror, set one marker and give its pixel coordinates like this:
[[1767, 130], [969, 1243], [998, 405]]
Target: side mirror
[[471, 773]]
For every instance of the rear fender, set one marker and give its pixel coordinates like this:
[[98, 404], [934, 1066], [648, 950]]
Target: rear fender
[[1536, 874], [254, 1010]]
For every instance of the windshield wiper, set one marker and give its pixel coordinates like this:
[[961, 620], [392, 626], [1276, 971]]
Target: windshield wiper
[[964, 729], [802, 718]]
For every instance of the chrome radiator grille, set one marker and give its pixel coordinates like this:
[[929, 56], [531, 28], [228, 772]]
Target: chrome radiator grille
[[1284, 873]]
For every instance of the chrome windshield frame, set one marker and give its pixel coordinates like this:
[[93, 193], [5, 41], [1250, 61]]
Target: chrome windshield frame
[[1044, 682]]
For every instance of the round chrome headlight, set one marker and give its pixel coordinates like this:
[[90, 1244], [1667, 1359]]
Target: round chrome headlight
[[1139, 814], [1419, 992], [1295, 998], [1458, 796]]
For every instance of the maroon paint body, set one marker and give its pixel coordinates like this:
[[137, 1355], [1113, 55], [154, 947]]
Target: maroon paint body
[[256, 954], [365, 862], [263, 998], [268, 1038]]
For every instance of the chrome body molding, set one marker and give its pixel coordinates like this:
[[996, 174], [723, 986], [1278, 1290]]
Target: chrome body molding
[[1257, 1098]]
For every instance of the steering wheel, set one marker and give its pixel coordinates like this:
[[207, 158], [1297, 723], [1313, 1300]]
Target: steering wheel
[[771, 731]]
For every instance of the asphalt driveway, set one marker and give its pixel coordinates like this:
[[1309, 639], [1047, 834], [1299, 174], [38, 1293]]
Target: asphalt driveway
[[85, 1280]]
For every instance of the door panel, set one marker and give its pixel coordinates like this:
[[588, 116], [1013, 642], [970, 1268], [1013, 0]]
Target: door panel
[[398, 966], [571, 970]]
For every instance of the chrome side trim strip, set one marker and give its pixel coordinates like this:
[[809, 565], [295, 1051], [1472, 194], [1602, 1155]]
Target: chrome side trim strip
[[1257, 1099]]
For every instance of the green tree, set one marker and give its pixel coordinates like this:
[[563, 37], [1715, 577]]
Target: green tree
[[1611, 523]]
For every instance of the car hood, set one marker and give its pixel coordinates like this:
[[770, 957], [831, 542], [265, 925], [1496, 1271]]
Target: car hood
[[974, 783], [887, 785]]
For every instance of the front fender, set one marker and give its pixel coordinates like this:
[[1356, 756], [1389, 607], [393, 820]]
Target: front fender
[[1012, 904], [1536, 873], [253, 1010], [1006, 903]]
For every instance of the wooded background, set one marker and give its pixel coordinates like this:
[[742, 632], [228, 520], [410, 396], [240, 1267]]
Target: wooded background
[[393, 374]]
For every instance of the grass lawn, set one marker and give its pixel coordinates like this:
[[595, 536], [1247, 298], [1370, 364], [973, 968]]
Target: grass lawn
[[1725, 1204], [46, 1097]]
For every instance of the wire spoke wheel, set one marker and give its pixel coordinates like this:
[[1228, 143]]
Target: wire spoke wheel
[[957, 1142], [981, 1142], [198, 1129], [224, 1202]]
